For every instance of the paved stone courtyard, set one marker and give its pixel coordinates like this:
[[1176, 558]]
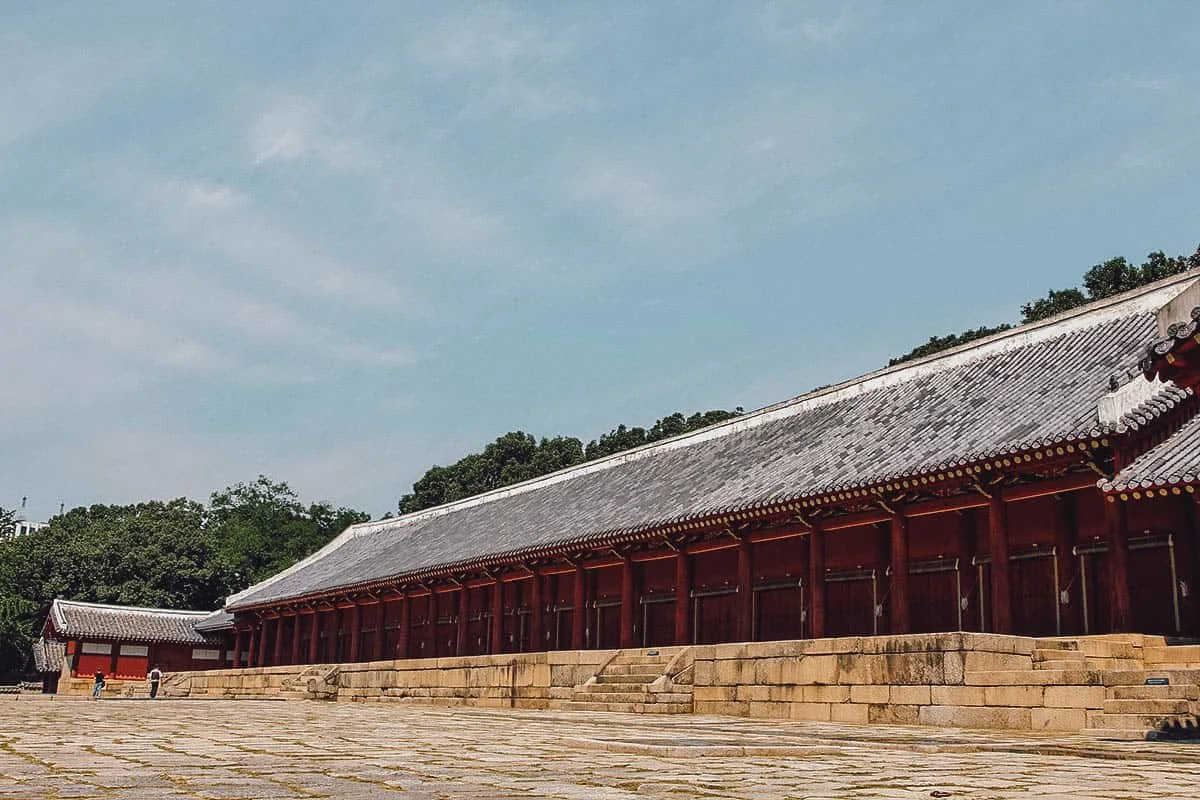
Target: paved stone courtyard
[[243, 749]]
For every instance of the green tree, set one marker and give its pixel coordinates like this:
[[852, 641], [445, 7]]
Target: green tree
[[260, 528], [938, 343], [518, 456], [1056, 302], [1102, 280]]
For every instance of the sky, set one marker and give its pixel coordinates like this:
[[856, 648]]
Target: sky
[[338, 244]]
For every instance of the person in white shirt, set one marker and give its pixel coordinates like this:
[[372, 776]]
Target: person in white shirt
[[155, 678]]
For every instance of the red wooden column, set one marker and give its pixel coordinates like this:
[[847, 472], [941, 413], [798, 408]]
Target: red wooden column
[[1064, 544], [999, 565], [628, 603], [498, 617], [237, 648], [294, 656], [683, 599], [355, 631], [277, 654], [1187, 556], [745, 596], [380, 631], [464, 609], [405, 627], [579, 609], [965, 544], [1116, 528], [537, 616], [252, 649], [816, 580], [314, 636], [899, 563], [262, 644]]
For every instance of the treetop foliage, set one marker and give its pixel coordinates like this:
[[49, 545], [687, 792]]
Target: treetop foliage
[[518, 456], [1103, 280], [161, 554]]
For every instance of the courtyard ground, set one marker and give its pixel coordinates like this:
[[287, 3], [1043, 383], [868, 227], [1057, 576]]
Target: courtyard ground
[[243, 749]]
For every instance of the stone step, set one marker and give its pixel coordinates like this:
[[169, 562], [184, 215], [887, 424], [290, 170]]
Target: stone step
[[634, 658], [1137, 677], [1131, 722], [617, 687], [631, 697], [1055, 644], [605, 677], [1174, 656], [633, 669], [1057, 654], [1038, 677], [630, 708], [1061, 664], [1121, 734], [1146, 707], [1176, 691]]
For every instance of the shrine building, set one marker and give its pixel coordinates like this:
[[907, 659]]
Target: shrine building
[[125, 642], [1038, 482]]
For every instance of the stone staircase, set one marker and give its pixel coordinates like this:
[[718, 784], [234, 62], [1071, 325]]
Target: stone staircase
[[317, 682], [653, 681], [1132, 708]]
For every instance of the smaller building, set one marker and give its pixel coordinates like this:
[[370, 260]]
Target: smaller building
[[125, 642], [48, 661]]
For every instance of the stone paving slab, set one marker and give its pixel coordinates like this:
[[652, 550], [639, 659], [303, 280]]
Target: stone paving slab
[[238, 750]]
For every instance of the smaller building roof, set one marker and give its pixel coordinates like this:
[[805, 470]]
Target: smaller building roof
[[48, 655], [216, 621], [1174, 462], [75, 620]]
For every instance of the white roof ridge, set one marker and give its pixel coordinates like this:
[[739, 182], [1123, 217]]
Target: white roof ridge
[[139, 609], [1143, 299]]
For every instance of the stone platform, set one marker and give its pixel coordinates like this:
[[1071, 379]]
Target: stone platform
[[170, 749], [966, 680]]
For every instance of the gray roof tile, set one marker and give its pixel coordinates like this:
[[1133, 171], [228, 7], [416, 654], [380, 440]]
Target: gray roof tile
[[48, 655], [1173, 462], [1030, 387], [74, 620]]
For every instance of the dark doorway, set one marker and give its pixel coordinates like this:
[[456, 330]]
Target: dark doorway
[[933, 591], [658, 621], [1034, 580], [779, 612], [715, 617], [850, 600]]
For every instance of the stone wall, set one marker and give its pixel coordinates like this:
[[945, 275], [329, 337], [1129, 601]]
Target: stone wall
[[955, 679], [525, 680], [965, 680]]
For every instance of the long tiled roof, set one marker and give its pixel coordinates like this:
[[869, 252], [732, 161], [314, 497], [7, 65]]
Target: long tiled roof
[[74, 620], [1174, 462], [1029, 387], [48, 655]]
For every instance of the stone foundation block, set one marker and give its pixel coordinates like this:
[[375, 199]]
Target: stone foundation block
[[975, 717], [816, 712], [892, 715], [857, 713], [957, 696], [811, 669], [1058, 719], [870, 694], [824, 694], [910, 695], [974, 661], [1074, 696], [1023, 696]]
